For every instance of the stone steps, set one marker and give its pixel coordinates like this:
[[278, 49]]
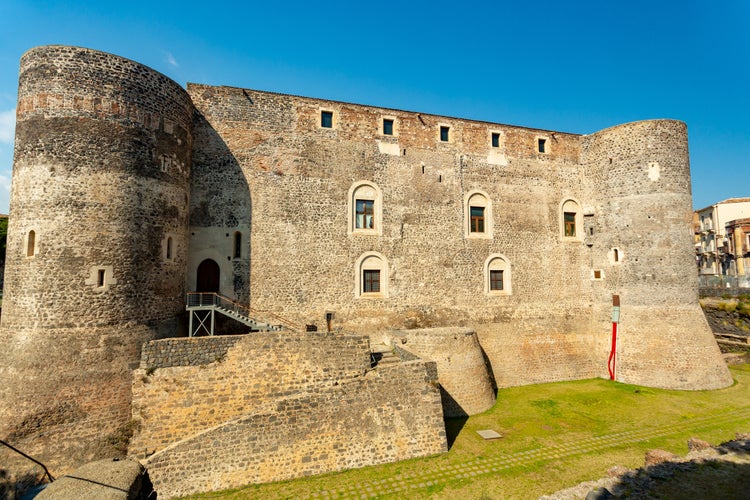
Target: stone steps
[[382, 355]]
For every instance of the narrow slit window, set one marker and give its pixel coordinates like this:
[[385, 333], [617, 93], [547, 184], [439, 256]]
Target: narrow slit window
[[326, 119], [237, 245], [495, 140], [617, 255], [30, 244], [444, 133], [100, 278], [542, 145], [477, 220], [387, 126], [371, 281], [169, 248]]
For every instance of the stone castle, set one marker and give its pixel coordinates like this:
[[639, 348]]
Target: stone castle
[[484, 255]]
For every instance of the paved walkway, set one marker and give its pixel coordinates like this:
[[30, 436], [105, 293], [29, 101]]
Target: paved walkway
[[415, 481]]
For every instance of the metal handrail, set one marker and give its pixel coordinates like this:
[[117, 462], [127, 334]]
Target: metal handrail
[[46, 472], [213, 299]]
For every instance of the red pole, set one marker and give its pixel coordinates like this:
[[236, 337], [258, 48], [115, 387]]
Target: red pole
[[611, 362], [612, 351]]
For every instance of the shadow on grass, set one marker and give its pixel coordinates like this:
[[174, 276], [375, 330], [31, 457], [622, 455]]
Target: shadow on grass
[[725, 475], [453, 428]]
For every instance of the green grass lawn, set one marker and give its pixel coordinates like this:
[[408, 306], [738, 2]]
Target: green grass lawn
[[536, 417]]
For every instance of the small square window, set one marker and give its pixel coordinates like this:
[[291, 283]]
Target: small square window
[[444, 133], [496, 280], [542, 145], [387, 126], [326, 119], [495, 140], [597, 274], [371, 281]]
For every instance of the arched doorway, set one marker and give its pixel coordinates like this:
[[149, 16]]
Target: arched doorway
[[208, 277]]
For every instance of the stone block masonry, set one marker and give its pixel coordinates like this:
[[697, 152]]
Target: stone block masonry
[[465, 383], [100, 187], [185, 352], [389, 415], [188, 385]]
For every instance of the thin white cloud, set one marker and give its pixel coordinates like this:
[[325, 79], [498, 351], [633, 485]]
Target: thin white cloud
[[169, 58], [4, 191], [7, 125]]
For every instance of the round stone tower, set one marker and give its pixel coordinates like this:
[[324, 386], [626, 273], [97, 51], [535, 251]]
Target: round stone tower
[[97, 246], [641, 246]]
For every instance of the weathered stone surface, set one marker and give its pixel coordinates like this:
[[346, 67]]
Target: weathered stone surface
[[101, 480], [391, 414], [101, 173], [465, 383], [124, 183], [695, 444], [655, 457], [175, 401]]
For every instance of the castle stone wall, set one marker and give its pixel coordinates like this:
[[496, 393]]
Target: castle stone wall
[[176, 394], [304, 253], [640, 183], [389, 415], [628, 188], [195, 351], [100, 187], [465, 383], [124, 184]]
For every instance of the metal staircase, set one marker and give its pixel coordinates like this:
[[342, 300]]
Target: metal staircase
[[203, 307]]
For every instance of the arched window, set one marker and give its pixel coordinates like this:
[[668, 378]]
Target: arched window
[[31, 244], [168, 247], [571, 220], [371, 278], [615, 256], [497, 275], [237, 252], [365, 209], [478, 215]]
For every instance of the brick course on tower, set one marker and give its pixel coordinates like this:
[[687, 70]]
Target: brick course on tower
[[128, 190]]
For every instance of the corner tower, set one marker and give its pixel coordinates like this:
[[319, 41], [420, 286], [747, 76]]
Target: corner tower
[[641, 243], [97, 245]]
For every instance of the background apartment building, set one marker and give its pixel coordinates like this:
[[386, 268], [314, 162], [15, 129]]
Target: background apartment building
[[724, 238]]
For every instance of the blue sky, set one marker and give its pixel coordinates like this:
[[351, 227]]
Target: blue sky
[[576, 66]]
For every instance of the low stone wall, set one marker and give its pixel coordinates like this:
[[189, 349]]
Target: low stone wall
[[519, 357], [462, 371], [110, 479], [391, 414], [185, 351], [175, 402]]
